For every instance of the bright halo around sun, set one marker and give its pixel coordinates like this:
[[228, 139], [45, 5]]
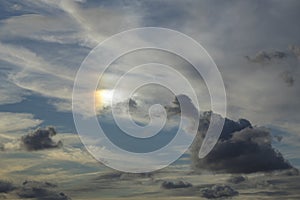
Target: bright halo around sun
[[103, 98]]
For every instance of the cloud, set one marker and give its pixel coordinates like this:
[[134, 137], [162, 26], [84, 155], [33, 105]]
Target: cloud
[[236, 179], [30, 72], [218, 191], [11, 145], [6, 186], [288, 78], [30, 61], [68, 22], [40, 139], [289, 172], [296, 50], [10, 92], [217, 31], [229, 127], [40, 190], [132, 108], [17, 122], [119, 176], [189, 78], [175, 185], [182, 102], [43, 28], [241, 148], [244, 86], [265, 57], [276, 78], [92, 22], [61, 105], [61, 23], [9, 142], [269, 59]]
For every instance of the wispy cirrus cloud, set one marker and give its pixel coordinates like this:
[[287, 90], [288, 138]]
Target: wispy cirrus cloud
[[66, 22], [16, 122], [59, 23]]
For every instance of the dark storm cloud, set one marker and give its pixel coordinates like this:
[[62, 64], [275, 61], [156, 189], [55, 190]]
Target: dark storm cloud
[[265, 57], [40, 139], [240, 149], [229, 127]]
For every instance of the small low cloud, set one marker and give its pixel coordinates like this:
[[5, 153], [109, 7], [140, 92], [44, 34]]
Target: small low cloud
[[40, 139], [241, 148], [118, 176], [296, 50], [236, 179], [265, 57], [287, 67], [9, 143], [288, 78], [40, 190], [218, 191], [175, 185], [32, 190], [6, 186]]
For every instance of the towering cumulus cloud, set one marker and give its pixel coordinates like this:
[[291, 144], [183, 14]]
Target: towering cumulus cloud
[[40, 139], [241, 149]]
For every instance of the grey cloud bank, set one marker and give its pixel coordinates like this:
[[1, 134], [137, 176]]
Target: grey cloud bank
[[31, 190], [240, 149]]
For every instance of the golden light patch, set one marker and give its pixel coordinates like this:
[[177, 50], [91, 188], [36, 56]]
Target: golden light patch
[[103, 98]]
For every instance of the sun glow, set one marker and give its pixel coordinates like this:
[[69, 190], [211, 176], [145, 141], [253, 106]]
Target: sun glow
[[103, 98]]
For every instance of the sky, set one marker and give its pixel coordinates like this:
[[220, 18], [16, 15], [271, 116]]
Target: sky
[[254, 44], [32, 47], [43, 44]]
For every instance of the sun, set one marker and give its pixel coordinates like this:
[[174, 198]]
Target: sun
[[103, 98]]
